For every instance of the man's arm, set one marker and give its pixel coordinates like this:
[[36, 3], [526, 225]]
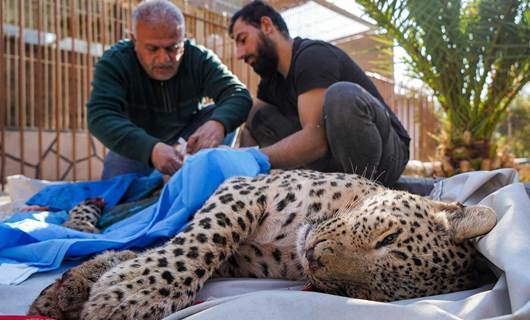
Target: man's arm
[[106, 115], [108, 122], [232, 101], [306, 145]]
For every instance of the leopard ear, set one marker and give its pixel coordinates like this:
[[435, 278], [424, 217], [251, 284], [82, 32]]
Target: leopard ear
[[467, 222]]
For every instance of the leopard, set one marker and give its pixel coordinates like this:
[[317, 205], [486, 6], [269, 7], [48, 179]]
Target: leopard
[[64, 298], [341, 233], [84, 216]]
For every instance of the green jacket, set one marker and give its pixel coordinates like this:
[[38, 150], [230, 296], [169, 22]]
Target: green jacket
[[129, 112]]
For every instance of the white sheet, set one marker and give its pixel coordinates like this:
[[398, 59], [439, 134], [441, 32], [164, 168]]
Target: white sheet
[[15, 273], [507, 247]]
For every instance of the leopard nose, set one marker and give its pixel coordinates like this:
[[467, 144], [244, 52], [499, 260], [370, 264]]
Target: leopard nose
[[314, 263]]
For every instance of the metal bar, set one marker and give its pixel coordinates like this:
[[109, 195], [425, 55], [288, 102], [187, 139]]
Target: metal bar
[[58, 87], [115, 22], [204, 28], [21, 83], [73, 102], [3, 102], [224, 49], [214, 38], [79, 123], [118, 21], [114, 18], [8, 83], [105, 28], [129, 19], [89, 75], [47, 73], [41, 79], [31, 81], [65, 61]]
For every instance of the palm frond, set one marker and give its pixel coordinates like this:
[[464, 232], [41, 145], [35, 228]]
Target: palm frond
[[474, 54]]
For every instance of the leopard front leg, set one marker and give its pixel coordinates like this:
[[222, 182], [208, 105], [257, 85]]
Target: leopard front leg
[[64, 299], [166, 279]]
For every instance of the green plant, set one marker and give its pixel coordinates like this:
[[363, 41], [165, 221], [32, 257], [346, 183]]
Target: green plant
[[514, 131], [473, 54]]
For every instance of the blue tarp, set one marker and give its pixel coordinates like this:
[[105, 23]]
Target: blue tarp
[[38, 239], [125, 188]]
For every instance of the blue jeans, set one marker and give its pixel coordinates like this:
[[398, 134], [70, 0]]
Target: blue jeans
[[115, 164]]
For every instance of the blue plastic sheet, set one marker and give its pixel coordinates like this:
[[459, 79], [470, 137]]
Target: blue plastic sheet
[[38, 239], [123, 188]]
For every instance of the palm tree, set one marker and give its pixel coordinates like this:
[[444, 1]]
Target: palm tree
[[473, 54]]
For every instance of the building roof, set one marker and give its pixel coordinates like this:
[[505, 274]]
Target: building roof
[[317, 19], [326, 19]]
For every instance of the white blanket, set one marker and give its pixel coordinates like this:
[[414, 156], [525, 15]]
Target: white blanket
[[507, 247]]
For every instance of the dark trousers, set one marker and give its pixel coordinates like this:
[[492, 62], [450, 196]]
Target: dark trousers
[[115, 164], [360, 136]]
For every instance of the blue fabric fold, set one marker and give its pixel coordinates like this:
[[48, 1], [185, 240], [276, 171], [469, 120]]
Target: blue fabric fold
[[38, 239], [123, 188]]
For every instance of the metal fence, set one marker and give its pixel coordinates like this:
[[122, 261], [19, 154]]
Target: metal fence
[[47, 53]]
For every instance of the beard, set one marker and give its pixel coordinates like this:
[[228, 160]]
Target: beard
[[266, 62]]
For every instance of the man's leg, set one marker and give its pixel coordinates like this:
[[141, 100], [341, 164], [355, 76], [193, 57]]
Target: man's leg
[[269, 126], [360, 136], [116, 165]]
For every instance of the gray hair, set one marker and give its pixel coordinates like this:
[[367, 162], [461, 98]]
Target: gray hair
[[156, 12]]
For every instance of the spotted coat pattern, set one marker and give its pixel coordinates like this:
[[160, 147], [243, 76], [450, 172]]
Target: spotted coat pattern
[[343, 233], [85, 216], [64, 299]]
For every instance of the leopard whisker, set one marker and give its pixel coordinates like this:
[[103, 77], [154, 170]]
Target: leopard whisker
[[379, 176]]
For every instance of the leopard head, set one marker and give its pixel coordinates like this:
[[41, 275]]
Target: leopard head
[[394, 245]]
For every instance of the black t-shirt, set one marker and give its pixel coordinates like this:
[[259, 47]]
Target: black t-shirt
[[317, 64]]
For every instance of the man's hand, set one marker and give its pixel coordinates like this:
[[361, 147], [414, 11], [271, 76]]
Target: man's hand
[[166, 158], [209, 135]]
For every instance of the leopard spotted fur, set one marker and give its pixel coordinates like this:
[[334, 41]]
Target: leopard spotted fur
[[343, 233]]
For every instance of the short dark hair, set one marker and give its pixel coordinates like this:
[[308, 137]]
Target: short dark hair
[[252, 14]]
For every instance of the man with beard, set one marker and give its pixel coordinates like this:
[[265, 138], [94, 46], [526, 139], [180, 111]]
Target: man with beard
[[315, 107], [147, 93]]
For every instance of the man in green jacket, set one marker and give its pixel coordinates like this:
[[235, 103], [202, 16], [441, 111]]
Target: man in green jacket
[[147, 93]]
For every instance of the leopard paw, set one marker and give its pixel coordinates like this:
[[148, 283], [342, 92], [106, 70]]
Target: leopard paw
[[140, 289]]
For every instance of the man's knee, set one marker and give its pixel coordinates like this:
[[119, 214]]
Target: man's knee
[[344, 103], [246, 138], [262, 116], [341, 93], [347, 103], [269, 125]]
